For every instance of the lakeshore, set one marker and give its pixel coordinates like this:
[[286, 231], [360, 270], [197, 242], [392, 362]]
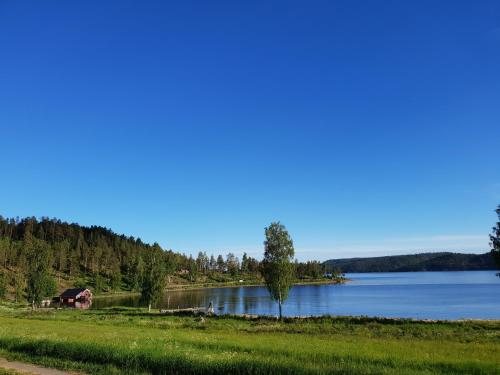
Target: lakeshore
[[132, 341], [215, 285], [419, 295]]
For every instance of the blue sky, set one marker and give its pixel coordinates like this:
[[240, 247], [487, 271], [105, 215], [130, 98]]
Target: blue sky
[[367, 128]]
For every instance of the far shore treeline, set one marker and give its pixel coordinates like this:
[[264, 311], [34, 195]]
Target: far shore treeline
[[72, 255], [441, 261], [438, 261]]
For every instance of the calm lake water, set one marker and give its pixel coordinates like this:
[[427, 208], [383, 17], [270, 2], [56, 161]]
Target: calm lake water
[[423, 295]]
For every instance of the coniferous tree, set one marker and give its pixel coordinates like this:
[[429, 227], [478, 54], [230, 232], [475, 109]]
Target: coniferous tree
[[80, 283], [212, 263], [135, 274], [98, 282], [74, 263], [200, 261], [253, 266], [61, 252], [50, 287], [4, 251], [221, 265], [193, 269], [116, 277], [171, 262], [244, 263], [19, 286], [3, 286], [232, 264]]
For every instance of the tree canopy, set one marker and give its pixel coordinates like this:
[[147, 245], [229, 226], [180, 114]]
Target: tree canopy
[[495, 240], [39, 283], [277, 265], [153, 283]]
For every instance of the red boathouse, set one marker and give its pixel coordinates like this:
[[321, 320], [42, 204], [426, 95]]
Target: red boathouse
[[71, 296]]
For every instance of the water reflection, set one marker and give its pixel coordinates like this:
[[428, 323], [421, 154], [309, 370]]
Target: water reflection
[[83, 305], [436, 295]]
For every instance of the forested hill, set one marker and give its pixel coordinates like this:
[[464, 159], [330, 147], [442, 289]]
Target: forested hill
[[76, 255], [74, 252], [444, 261]]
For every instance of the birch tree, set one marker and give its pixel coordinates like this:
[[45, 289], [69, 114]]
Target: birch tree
[[277, 266]]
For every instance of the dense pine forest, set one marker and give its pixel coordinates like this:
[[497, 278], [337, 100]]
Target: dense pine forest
[[75, 255]]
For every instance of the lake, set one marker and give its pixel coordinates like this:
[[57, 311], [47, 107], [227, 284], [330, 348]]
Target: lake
[[422, 295]]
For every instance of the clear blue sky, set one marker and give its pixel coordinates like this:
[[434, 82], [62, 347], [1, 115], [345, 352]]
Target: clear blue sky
[[366, 127]]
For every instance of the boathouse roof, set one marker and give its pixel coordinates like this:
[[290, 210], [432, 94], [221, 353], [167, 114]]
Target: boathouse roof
[[72, 293]]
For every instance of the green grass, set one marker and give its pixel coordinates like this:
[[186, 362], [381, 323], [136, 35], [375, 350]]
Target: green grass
[[8, 372], [130, 341]]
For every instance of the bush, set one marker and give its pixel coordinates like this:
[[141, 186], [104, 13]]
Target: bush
[[3, 286]]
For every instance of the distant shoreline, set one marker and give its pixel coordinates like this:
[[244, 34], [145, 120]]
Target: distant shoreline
[[182, 287], [421, 262], [422, 271]]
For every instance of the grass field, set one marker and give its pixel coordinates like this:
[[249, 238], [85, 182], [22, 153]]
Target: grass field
[[129, 341], [7, 372]]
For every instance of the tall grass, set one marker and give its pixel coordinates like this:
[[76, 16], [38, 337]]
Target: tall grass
[[8, 372], [130, 341]]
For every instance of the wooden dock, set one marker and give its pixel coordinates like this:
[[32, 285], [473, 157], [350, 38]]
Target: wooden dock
[[186, 311]]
